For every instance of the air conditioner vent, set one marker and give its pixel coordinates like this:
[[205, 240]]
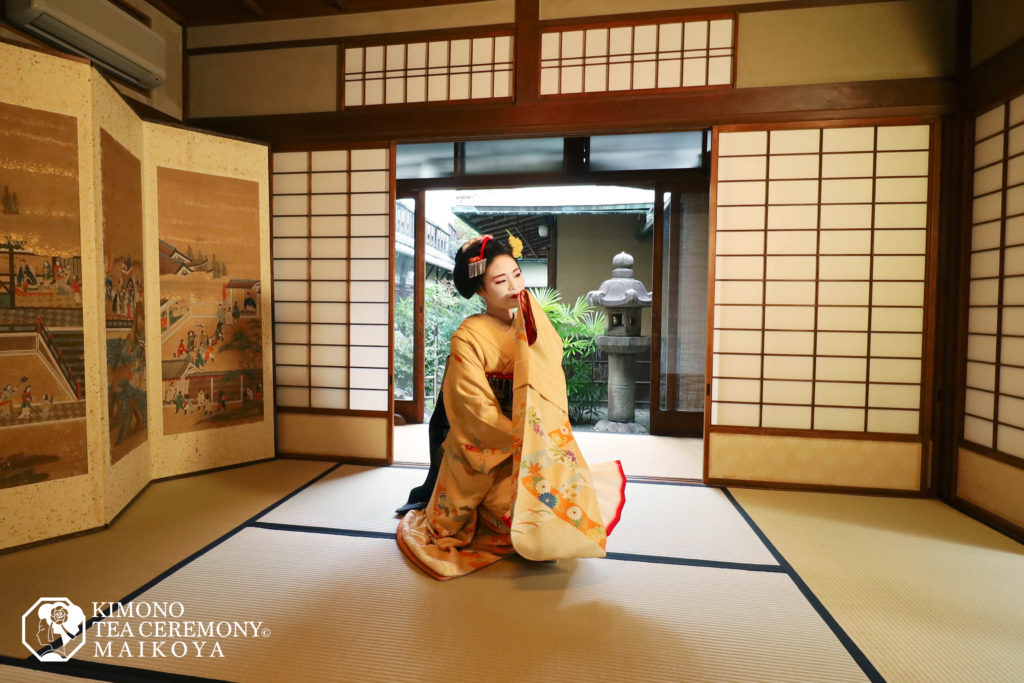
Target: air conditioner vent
[[99, 31]]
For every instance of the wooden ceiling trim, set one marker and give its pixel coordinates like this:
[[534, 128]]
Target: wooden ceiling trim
[[603, 114], [724, 7], [190, 13]]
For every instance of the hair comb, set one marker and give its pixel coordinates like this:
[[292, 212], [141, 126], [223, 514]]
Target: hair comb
[[478, 264]]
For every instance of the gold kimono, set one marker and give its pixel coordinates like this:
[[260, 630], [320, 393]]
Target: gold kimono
[[510, 485]]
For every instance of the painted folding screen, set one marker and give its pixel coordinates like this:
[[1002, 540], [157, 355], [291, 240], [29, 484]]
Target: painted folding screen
[[819, 338], [332, 225], [990, 465]]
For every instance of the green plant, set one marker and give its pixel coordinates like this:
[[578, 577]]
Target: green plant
[[444, 311], [578, 325]]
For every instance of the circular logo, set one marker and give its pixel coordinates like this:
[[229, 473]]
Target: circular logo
[[53, 629]]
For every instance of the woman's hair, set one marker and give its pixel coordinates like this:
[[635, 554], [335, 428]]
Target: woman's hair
[[468, 286]]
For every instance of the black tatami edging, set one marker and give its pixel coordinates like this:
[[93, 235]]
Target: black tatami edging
[[663, 481], [302, 528], [855, 652], [101, 671], [626, 557], [202, 551], [113, 672]]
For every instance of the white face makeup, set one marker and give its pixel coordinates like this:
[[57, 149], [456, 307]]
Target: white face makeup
[[501, 286]]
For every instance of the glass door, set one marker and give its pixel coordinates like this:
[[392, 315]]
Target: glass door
[[410, 268], [678, 352]]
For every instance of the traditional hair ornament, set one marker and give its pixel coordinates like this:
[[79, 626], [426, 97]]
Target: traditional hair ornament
[[478, 264], [515, 245]]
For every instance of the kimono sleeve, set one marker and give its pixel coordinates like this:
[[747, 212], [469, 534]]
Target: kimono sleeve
[[472, 407]]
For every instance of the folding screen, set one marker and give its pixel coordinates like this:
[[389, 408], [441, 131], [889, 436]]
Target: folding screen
[[665, 55], [332, 226], [118, 150], [990, 463], [820, 334], [81, 429]]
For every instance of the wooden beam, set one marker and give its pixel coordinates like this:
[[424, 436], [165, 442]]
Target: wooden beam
[[171, 12], [527, 49], [998, 77], [599, 114], [254, 7]]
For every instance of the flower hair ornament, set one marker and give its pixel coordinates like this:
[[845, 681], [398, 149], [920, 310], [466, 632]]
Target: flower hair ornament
[[477, 264], [515, 245]]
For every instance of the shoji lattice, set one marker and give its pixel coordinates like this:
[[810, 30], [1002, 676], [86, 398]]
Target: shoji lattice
[[820, 278], [332, 293], [669, 55], [994, 401], [437, 71]]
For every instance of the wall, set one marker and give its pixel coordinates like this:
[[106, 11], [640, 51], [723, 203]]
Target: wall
[[169, 97], [995, 25], [368, 23], [874, 41], [585, 248], [283, 81], [50, 504], [847, 43]]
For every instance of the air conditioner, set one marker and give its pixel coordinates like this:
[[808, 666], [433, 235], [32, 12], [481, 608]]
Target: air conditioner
[[99, 31]]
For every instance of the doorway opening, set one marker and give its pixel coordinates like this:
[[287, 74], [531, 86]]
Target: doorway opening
[[571, 225]]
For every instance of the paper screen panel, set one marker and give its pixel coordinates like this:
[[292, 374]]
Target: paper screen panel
[[668, 55], [332, 278], [822, 235], [472, 68], [994, 378]]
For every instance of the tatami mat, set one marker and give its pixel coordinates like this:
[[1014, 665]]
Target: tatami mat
[[692, 522], [702, 524], [351, 497], [352, 609], [642, 455], [17, 674], [928, 593], [167, 523]]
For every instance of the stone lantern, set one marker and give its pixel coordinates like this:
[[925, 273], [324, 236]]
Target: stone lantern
[[622, 297]]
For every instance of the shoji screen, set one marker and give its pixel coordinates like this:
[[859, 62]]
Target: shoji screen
[[990, 471], [668, 55], [821, 314], [332, 301], [441, 70]]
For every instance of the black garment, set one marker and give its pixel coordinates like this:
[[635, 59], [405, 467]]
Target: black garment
[[437, 432]]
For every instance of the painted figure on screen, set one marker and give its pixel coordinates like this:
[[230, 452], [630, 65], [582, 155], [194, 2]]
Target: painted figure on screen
[[210, 311], [42, 366], [121, 174]]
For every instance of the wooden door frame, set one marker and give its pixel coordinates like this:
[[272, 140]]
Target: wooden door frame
[[412, 411], [669, 422]]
